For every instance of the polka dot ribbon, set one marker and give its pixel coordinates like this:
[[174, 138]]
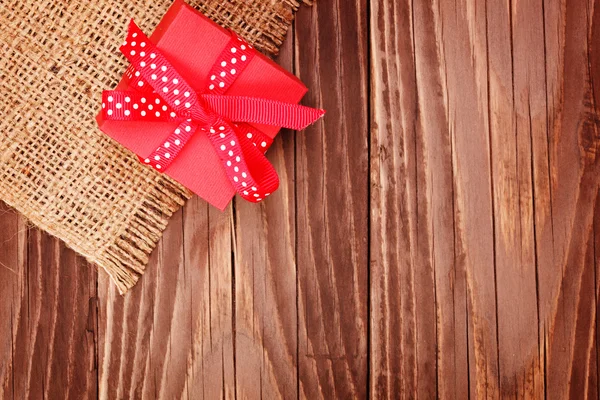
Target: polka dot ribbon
[[161, 94]]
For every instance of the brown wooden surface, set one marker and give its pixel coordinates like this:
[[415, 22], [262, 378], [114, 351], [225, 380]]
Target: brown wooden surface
[[434, 235]]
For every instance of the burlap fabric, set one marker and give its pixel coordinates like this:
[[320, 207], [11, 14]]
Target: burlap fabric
[[56, 167]]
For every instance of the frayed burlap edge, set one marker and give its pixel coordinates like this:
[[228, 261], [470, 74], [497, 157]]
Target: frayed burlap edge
[[125, 259]]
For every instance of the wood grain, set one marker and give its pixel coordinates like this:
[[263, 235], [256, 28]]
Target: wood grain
[[332, 202], [434, 236], [48, 316], [173, 335]]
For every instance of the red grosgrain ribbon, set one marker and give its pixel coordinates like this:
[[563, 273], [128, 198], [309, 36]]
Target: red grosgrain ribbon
[[163, 95]]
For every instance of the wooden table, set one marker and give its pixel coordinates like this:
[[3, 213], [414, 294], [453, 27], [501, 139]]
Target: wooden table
[[434, 235]]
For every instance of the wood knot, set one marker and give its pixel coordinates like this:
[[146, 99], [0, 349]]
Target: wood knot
[[589, 136]]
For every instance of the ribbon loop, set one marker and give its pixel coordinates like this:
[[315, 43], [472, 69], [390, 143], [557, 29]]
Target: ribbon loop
[[252, 175], [163, 95]]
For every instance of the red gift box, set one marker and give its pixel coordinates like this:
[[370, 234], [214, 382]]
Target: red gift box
[[191, 43]]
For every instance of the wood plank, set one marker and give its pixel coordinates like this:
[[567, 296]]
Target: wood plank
[[48, 315], [13, 267], [13, 307], [408, 136], [465, 67], [437, 206], [172, 335], [431, 162], [566, 290], [265, 279], [517, 113], [207, 251], [332, 202]]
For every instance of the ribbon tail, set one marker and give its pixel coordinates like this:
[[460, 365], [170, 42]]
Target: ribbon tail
[[247, 168], [263, 111]]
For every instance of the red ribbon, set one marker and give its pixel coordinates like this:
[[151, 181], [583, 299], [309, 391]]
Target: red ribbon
[[163, 95]]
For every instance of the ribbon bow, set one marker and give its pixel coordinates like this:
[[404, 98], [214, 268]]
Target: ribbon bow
[[163, 95]]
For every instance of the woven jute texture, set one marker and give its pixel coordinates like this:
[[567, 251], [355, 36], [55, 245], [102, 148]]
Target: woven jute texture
[[56, 167]]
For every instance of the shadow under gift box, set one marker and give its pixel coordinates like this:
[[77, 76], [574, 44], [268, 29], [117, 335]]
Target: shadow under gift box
[[192, 42]]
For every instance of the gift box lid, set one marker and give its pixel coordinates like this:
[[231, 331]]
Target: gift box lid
[[192, 42]]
